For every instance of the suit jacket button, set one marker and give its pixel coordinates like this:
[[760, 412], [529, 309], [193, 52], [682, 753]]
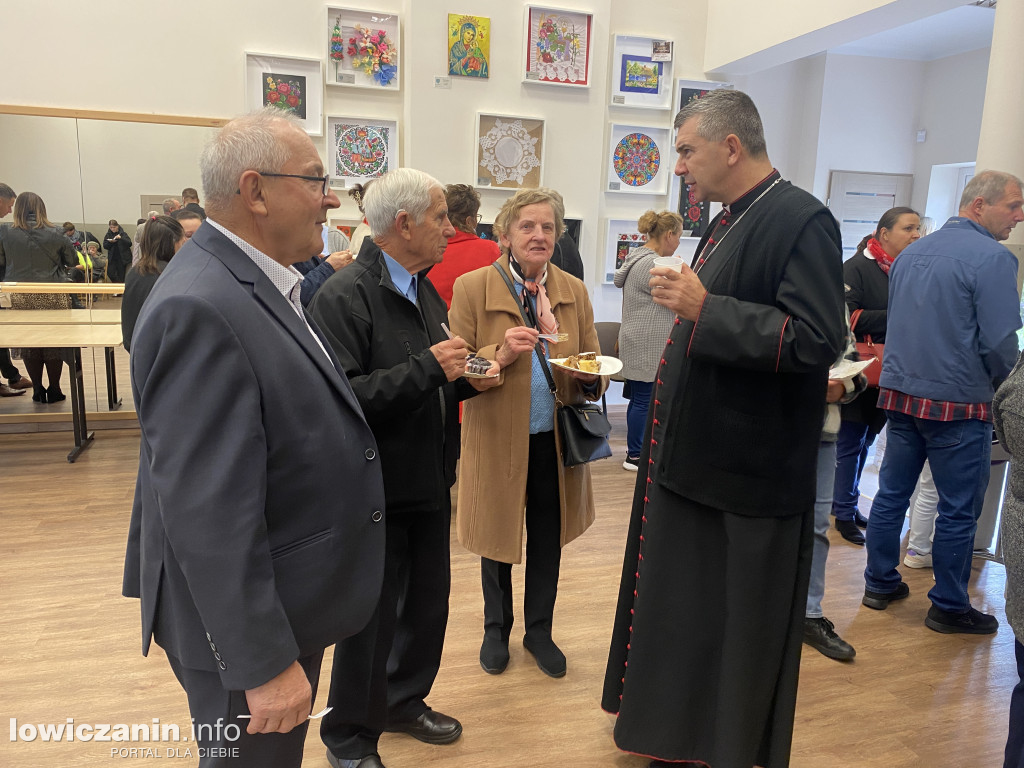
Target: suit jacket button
[[218, 657], [213, 647], [377, 516], [222, 665], [370, 454], [208, 637]]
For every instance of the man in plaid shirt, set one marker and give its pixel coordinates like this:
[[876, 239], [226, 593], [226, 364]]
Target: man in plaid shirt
[[952, 337]]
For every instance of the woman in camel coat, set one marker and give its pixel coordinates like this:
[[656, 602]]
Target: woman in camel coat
[[511, 471]]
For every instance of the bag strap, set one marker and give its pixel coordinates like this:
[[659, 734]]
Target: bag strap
[[854, 317], [530, 322]]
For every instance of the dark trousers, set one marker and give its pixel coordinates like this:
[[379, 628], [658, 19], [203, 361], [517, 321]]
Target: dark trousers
[[1015, 741], [7, 369], [851, 454], [543, 551], [383, 674], [225, 747]]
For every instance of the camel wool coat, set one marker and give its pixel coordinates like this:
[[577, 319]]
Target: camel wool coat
[[496, 424]]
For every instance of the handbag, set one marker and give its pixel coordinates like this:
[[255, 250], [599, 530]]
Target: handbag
[[866, 350], [584, 428]]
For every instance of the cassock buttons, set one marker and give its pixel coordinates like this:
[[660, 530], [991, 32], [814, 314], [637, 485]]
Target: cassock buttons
[[370, 454], [222, 665], [377, 516]]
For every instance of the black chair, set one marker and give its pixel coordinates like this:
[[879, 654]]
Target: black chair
[[608, 341]]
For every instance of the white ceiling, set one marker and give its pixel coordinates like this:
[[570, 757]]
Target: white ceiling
[[960, 30]]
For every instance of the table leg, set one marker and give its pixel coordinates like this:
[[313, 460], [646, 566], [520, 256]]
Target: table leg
[[73, 357], [113, 401]]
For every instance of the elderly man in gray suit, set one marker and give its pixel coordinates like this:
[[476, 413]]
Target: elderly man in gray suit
[[257, 536]]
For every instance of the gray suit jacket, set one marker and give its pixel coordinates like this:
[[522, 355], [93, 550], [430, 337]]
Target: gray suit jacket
[[257, 529]]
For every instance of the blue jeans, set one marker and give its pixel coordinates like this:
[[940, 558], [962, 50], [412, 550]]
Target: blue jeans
[[822, 507], [636, 415], [851, 454], [959, 453]]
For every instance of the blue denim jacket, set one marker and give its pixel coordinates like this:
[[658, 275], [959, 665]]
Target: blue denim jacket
[[953, 316]]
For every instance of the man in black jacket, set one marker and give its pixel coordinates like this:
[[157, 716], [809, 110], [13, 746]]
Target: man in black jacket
[[383, 318]]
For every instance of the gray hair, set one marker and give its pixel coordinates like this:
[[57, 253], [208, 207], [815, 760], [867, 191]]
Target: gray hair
[[248, 143], [990, 186], [722, 112], [403, 189], [169, 206]]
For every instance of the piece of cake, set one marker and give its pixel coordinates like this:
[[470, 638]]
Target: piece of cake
[[588, 362], [478, 365]]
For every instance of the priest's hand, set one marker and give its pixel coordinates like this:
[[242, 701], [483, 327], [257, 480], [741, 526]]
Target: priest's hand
[[682, 292]]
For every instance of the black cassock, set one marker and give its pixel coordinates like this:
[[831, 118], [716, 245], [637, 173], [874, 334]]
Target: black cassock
[[705, 650]]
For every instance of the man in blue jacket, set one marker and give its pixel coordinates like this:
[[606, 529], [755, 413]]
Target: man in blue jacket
[[953, 319]]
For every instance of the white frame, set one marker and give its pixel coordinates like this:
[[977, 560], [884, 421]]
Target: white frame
[[675, 188], [257, 64], [613, 227], [529, 73], [389, 22], [658, 185], [478, 152], [339, 181], [636, 45]]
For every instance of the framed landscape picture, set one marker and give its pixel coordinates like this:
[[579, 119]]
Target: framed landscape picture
[[557, 46], [363, 48], [360, 148], [640, 160], [509, 151], [641, 74], [696, 215], [292, 84], [620, 241]]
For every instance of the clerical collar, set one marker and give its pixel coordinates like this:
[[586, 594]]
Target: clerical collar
[[741, 203]]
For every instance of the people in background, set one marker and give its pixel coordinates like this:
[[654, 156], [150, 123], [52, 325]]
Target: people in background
[[866, 275], [645, 324], [336, 255], [79, 240], [248, 563], [466, 251], [190, 201], [160, 240], [384, 320], [32, 251], [922, 522], [16, 383], [119, 251], [512, 425], [705, 650], [567, 255], [362, 232], [190, 221], [951, 337], [170, 205]]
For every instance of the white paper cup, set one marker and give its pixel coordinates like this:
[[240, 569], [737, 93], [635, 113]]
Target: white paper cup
[[675, 263]]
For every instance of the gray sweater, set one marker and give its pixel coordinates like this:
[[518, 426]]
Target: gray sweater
[[645, 325], [1008, 417]]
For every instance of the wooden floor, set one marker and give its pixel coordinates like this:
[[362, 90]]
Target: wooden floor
[[70, 646]]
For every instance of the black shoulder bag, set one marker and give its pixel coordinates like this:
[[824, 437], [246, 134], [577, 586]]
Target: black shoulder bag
[[584, 428]]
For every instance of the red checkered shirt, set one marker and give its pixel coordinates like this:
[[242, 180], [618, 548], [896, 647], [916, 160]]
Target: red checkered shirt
[[933, 410]]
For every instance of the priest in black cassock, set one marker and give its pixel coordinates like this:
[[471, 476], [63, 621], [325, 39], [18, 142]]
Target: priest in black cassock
[[705, 650]]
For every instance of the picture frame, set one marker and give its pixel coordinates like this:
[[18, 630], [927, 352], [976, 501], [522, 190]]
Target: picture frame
[[358, 149], [295, 84], [641, 77], [468, 47], [621, 237], [509, 151], [639, 160], [558, 46], [358, 55], [696, 215]]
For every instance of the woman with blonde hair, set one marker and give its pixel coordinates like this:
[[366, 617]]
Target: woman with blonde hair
[[645, 325], [32, 251]]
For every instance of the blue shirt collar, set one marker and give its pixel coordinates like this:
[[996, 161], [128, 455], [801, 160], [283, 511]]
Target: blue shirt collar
[[400, 276], [961, 222]]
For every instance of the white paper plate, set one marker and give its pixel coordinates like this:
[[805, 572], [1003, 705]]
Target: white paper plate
[[609, 365], [469, 375]]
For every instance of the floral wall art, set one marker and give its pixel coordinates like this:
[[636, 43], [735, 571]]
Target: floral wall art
[[363, 48], [291, 84], [557, 46], [359, 149]]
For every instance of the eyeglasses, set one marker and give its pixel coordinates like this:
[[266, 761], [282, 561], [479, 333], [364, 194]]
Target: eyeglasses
[[324, 180], [479, 218]]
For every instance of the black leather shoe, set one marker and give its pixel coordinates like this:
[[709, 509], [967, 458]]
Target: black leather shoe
[[547, 655], [880, 600], [370, 761], [848, 530], [494, 655], [431, 727], [821, 635], [973, 622], [860, 520]]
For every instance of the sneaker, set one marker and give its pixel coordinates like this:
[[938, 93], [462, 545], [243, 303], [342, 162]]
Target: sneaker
[[915, 559], [880, 600], [631, 464], [972, 622], [821, 635], [848, 530]]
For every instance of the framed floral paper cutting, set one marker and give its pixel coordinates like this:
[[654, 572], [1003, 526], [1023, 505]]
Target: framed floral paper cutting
[[558, 46], [363, 48], [359, 149], [509, 151], [620, 241], [640, 160], [641, 72], [291, 84]]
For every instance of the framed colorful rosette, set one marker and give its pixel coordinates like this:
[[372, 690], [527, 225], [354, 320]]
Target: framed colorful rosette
[[359, 149], [640, 160]]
